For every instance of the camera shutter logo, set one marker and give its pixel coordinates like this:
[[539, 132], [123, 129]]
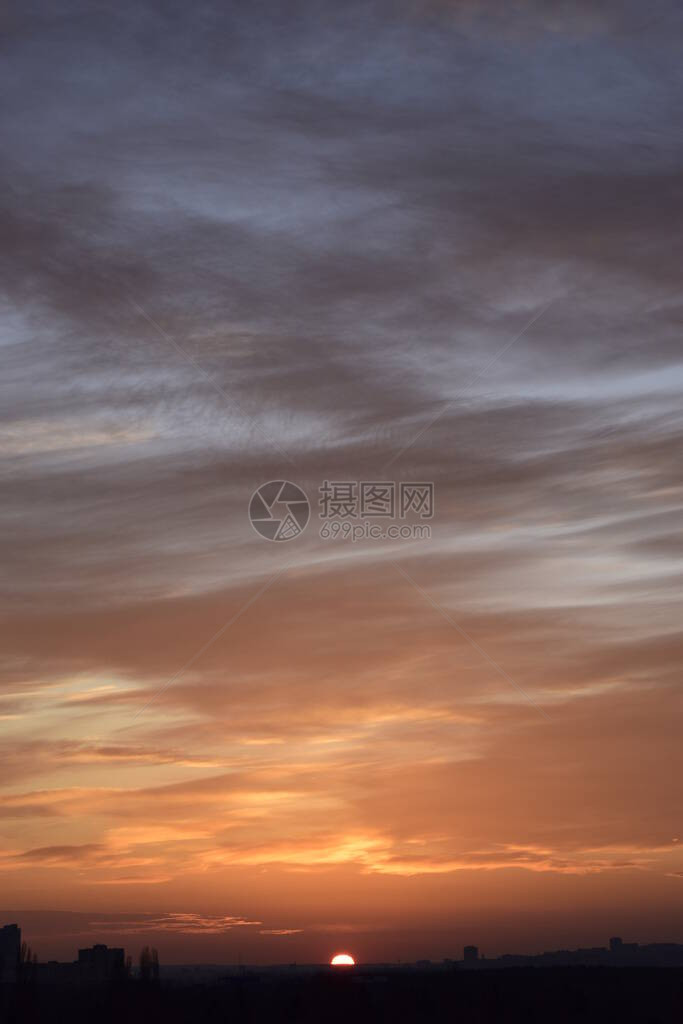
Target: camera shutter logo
[[279, 510]]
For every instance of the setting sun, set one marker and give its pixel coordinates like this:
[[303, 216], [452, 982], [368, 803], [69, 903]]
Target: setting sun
[[342, 960]]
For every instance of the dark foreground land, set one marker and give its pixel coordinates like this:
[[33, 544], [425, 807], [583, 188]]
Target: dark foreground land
[[552, 996]]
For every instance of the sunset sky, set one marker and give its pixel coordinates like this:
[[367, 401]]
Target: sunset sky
[[412, 240]]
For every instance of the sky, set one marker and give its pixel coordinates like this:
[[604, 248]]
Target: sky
[[410, 241]]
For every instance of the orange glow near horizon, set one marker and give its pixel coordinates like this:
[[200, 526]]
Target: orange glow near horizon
[[342, 960]]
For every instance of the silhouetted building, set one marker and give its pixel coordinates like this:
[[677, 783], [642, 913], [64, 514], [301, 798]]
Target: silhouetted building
[[100, 963], [10, 952], [470, 954], [623, 951], [56, 973]]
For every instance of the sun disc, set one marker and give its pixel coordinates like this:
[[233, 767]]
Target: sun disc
[[342, 960]]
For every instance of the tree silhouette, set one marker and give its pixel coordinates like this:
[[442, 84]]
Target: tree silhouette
[[28, 961], [149, 965]]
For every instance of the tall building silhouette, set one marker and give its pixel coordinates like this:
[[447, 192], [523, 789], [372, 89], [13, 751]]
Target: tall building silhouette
[[101, 963], [10, 951]]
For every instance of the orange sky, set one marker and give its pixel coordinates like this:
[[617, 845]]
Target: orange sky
[[249, 250]]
